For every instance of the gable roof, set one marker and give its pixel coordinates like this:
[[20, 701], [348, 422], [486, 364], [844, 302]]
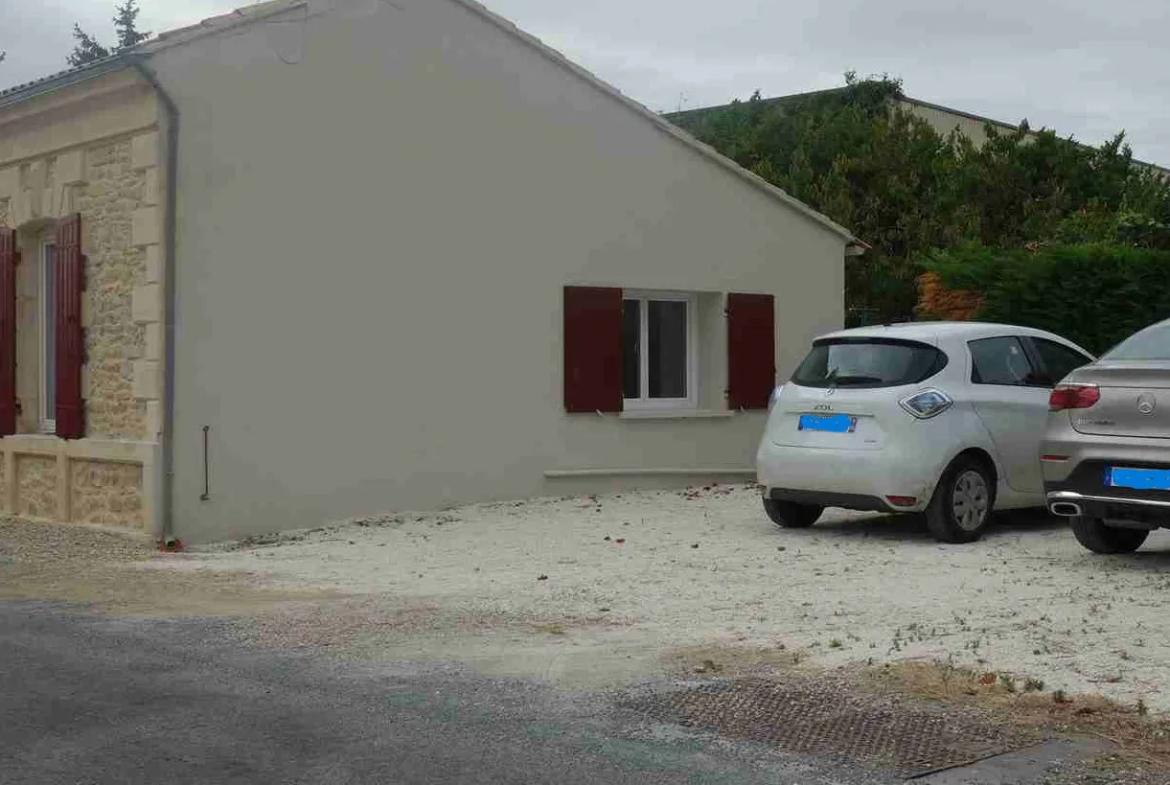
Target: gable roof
[[258, 11]]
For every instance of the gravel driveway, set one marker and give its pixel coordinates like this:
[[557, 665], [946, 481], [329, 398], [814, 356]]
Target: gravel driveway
[[594, 590]]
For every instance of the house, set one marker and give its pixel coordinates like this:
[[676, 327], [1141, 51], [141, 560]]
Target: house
[[318, 259], [942, 119]]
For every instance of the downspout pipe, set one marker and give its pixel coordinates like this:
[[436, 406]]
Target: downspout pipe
[[164, 519]]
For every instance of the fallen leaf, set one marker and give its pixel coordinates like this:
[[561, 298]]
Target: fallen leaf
[[542, 578], [620, 540]]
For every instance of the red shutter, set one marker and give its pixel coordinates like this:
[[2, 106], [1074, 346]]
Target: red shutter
[[593, 349], [9, 257], [70, 277], [751, 350]]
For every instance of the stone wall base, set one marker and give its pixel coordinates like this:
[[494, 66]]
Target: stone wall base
[[98, 481]]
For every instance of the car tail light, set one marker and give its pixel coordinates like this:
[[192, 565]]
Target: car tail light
[[902, 501], [927, 404], [1073, 396]]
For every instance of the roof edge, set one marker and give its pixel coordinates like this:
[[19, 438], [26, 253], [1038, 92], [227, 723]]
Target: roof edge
[[25, 92], [164, 40], [663, 124]]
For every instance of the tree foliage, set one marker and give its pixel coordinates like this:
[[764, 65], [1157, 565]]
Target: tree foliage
[[1095, 294], [87, 48], [856, 155]]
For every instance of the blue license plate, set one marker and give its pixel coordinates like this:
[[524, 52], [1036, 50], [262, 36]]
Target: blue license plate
[[1137, 479], [830, 423]]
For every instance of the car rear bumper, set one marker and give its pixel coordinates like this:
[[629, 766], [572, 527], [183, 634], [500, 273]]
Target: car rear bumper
[[1075, 465], [850, 479], [1139, 513], [846, 501]]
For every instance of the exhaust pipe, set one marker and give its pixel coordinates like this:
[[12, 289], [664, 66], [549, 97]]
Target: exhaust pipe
[[1065, 509]]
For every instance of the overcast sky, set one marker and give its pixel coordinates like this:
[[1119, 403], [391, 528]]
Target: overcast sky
[[1084, 67]]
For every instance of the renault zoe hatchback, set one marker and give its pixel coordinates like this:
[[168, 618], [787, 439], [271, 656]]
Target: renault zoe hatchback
[[941, 418]]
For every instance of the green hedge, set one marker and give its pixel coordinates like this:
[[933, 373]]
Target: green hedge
[[1095, 295]]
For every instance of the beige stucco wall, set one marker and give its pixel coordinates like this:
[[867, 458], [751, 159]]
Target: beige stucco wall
[[945, 122], [379, 206], [92, 149]]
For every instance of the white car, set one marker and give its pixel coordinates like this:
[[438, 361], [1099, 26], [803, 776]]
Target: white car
[[941, 418]]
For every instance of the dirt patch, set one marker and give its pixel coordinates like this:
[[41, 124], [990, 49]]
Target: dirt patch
[[369, 621], [105, 571], [1141, 738]]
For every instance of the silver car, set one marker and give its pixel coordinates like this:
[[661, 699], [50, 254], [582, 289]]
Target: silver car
[[1106, 450]]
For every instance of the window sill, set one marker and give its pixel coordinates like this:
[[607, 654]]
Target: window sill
[[677, 414]]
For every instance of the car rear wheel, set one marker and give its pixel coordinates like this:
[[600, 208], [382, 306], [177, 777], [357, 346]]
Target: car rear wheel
[[792, 515], [962, 502], [1099, 538]]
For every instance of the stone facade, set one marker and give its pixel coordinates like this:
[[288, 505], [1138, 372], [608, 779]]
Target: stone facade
[[106, 492], [113, 191], [92, 151], [36, 477]]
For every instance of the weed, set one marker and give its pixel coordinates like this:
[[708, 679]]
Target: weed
[[835, 644], [550, 629], [1007, 682], [1033, 685]]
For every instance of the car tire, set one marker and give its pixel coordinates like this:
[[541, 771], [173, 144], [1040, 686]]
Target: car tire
[[962, 503], [1099, 538], [792, 515]]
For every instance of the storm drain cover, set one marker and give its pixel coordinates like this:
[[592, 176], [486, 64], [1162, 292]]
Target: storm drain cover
[[809, 718]]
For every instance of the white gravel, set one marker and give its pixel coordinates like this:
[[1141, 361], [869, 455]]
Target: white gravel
[[1027, 599]]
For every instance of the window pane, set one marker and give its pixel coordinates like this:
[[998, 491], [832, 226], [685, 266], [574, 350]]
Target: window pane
[[631, 351], [50, 317], [1001, 361], [1059, 360], [868, 363], [668, 349]]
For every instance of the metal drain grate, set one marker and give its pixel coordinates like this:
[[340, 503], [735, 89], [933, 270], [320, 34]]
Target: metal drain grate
[[810, 718]]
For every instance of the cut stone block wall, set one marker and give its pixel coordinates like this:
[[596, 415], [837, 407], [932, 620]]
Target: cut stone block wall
[[36, 477], [107, 493]]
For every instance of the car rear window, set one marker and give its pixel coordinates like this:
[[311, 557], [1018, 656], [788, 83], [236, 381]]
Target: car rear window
[[1152, 343], [868, 363]]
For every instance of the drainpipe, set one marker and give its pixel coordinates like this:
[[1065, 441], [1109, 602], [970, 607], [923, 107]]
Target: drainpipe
[[164, 524]]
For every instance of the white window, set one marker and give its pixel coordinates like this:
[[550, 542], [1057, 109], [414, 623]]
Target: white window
[[47, 308], [659, 350]]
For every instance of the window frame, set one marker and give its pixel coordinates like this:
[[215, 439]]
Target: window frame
[[644, 402], [46, 419], [1023, 342]]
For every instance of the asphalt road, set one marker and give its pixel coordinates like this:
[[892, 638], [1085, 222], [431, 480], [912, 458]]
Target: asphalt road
[[86, 699]]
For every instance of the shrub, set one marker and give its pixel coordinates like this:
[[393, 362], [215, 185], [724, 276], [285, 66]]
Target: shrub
[[1094, 295]]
